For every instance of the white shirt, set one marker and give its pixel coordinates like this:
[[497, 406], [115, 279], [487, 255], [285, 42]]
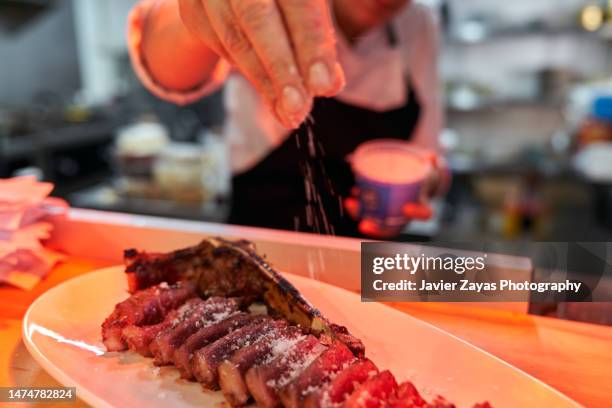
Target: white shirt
[[375, 72]]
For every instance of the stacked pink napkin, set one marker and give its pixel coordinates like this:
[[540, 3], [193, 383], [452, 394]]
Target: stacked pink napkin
[[24, 203]]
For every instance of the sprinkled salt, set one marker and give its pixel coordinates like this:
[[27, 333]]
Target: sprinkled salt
[[363, 399], [326, 401], [310, 389], [281, 346], [218, 317], [296, 368]]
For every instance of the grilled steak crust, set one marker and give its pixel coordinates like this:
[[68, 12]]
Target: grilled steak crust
[[215, 263], [232, 268], [144, 308]]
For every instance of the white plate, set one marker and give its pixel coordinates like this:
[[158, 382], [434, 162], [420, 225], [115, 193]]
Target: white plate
[[62, 332]]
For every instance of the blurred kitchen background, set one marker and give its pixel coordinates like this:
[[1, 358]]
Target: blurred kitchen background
[[528, 87]]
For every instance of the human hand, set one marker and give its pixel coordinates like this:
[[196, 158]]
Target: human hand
[[285, 48]]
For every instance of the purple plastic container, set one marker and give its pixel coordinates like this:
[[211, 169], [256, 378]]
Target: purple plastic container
[[389, 174]]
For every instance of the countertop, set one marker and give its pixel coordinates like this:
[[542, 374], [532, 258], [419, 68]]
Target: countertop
[[573, 357]]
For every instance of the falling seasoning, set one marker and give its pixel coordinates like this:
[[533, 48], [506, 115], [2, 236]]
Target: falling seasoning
[[316, 183]]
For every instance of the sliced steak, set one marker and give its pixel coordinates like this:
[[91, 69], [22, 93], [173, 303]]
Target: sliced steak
[[290, 359], [144, 308], [231, 372], [441, 402], [204, 337], [212, 311], [206, 360], [406, 396], [373, 393], [342, 385], [485, 404], [332, 360], [222, 267], [138, 338]]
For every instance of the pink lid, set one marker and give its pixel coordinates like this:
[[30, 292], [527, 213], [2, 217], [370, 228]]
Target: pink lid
[[390, 161]]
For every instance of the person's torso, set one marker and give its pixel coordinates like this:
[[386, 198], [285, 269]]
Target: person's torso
[[302, 182]]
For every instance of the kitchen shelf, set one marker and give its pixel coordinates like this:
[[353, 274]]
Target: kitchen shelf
[[104, 197], [28, 145], [521, 34], [490, 105]]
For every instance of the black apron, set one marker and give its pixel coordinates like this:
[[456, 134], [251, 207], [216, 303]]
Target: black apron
[[274, 193]]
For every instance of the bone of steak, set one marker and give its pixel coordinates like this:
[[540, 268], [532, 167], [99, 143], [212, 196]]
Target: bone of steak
[[231, 371], [232, 268], [203, 337], [290, 359], [144, 308], [210, 311], [374, 392], [206, 360], [332, 360]]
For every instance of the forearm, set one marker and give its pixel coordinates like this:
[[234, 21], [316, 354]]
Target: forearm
[[173, 57]]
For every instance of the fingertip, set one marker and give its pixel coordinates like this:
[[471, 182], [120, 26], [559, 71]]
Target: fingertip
[[351, 205], [325, 79], [368, 227], [371, 229], [293, 100], [417, 211], [320, 79], [291, 120]]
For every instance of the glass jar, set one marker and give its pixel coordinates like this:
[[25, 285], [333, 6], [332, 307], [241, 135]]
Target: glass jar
[[136, 149], [178, 173]]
